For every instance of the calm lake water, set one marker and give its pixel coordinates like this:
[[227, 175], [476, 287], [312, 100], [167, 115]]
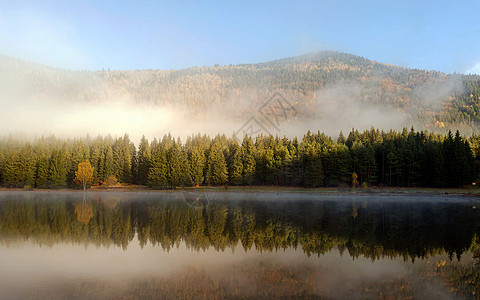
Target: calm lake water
[[213, 245]]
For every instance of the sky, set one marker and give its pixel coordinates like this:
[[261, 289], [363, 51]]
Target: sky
[[132, 35]]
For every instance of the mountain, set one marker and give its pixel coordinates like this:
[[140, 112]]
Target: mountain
[[312, 84]]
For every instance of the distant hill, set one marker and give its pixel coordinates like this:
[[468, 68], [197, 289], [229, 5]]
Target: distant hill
[[430, 99]]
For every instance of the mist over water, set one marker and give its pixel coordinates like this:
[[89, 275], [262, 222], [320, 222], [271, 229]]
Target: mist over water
[[250, 245]]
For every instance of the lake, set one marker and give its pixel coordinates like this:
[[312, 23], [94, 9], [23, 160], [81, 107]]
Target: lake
[[214, 244]]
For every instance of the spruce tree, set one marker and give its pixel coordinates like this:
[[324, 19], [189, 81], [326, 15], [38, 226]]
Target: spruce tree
[[96, 159], [42, 169], [157, 173], [144, 156], [58, 170], [235, 166], [217, 173], [178, 169], [196, 158], [12, 172], [247, 155], [313, 166], [28, 164], [341, 138], [109, 165], [123, 159]]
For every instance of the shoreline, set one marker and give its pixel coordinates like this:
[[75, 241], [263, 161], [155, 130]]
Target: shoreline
[[470, 191]]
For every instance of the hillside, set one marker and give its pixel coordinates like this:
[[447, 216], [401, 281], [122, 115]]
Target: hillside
[[317, 85]]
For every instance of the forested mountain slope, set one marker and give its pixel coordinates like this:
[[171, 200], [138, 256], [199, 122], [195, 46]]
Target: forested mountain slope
[[429, 99]]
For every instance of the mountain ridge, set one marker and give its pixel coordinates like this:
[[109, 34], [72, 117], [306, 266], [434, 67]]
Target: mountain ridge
[[430, 99], [311, 56]]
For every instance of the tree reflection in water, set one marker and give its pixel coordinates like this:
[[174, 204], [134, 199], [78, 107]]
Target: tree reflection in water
[[369, 227]]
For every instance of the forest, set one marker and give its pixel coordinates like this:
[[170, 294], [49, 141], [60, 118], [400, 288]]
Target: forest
[[369, 158], [197, 91]]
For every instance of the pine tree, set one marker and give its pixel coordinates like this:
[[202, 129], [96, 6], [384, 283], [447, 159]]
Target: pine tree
[[247, 155], [313, 166], [336, 161], [178, 169], [235, 166], [58, 170], [341, 138], [196, 158], [28, 164], [144, 156], [123, 158], [42, 169], [217, 173], [157, 173], [12, 172], [297, 170], [284, 159], [109, 165], [96, 159]]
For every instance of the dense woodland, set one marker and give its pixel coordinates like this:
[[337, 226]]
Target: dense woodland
[[433, 100], [404, 159]]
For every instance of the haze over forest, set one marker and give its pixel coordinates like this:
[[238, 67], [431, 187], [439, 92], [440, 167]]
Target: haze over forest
[[326, 91]]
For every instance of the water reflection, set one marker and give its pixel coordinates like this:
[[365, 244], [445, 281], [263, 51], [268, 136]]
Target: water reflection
[[361, 226], [270, 245]]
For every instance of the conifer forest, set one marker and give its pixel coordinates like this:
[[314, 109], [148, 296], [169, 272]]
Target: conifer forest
[[369, 158]]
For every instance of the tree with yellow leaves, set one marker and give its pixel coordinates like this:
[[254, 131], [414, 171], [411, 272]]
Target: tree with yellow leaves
[[354, 179], [84, 174]]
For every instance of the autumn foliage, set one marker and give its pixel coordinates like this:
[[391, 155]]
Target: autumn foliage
[[84, 174], [110, 181]]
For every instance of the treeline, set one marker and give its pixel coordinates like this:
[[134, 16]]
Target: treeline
[[361, 227], [373, 157], [370, 158]]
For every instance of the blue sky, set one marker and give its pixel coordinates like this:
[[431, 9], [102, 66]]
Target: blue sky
[[128, 35]]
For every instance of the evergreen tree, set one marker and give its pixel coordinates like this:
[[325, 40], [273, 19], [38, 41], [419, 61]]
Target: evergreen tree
[[247, 155], [96, 159], [217, 173], [108, 162], [178, 169], [297, 173], [144, 156], [58, 169], [283, 160], [157, 173], [42, 169], [196, 157], [235, 166], [341, 138], [336, 162], [79, 152], [313, 166], [123, 156], [28, 164], [12, 172]]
